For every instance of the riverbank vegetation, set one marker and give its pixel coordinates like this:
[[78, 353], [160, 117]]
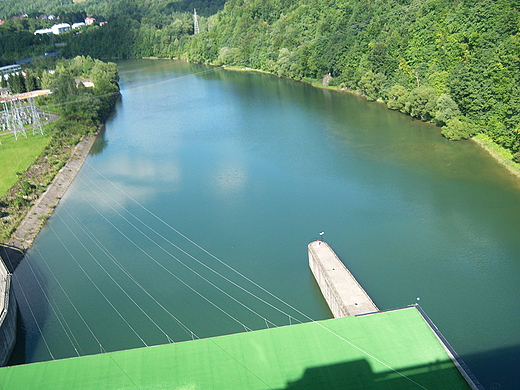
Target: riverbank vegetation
[[80, 111], [450, 62]]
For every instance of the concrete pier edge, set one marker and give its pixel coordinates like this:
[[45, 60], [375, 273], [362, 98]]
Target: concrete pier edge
[[341, 290], [8, 313]]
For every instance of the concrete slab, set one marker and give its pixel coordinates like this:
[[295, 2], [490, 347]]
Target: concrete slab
[[341, 290]]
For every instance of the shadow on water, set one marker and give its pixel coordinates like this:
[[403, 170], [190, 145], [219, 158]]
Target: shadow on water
[[315, 288], [100, 144], [358, 374], [11, 256], [503, 363], [18, 354], [28, 298]]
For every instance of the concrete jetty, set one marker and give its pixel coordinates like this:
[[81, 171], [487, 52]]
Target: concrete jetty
[[341, 290]]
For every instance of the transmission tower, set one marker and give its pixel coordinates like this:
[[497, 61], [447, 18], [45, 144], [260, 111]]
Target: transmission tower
[[5, 113], [35, 118], [5, 117], [17, 121], [196, 28]]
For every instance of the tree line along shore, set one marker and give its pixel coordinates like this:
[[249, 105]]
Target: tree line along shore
[[453, 63], [449, 62]]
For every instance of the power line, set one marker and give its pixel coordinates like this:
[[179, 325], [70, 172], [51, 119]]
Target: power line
[[97, 287], [70, 301], [116, 283], [195, 244], [35, 319], [75, 342], [192, 257], [118, 264], [170, 272]]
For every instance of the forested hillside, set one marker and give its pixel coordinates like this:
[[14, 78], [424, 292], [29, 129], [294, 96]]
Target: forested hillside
[[455, 63], [136, 28]]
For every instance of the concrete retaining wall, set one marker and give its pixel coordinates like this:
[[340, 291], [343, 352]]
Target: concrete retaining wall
[[8, 314], [327, 288]]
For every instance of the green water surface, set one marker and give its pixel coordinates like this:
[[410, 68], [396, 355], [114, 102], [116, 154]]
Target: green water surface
[[251, 168]]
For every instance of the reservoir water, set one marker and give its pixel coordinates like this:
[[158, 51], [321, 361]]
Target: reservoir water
[[192, 215]]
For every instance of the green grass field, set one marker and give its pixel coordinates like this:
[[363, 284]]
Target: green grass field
[[17, 155]]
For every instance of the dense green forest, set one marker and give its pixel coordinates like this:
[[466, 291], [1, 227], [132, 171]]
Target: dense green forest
[[81, 109], [455, 63]]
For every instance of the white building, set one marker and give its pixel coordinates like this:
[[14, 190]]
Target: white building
[[56, 29], [9, 69], [78, 25], [60, 28], [43, 31]]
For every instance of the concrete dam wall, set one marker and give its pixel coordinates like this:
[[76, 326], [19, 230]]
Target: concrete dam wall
[[8, 314]]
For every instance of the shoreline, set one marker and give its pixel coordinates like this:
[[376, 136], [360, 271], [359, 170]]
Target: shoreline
[[511, 166], [13, 251], [490, 147], [36, 217]]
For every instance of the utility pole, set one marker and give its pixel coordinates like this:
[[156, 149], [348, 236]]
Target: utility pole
[[196, 28]]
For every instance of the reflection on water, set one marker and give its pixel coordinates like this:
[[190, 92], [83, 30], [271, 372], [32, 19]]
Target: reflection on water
[[251, 168]]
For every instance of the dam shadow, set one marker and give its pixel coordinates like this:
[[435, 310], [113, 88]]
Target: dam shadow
[[11, 256], [497, 369], [358, 374], [18, 353], [28, 286]]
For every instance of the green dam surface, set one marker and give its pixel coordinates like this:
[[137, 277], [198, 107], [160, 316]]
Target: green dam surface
[[386, 350]]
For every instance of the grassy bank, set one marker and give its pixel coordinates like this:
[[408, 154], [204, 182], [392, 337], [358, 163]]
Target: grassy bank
[[44, 156], [502, 155], [17, 155], [29, 165]]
